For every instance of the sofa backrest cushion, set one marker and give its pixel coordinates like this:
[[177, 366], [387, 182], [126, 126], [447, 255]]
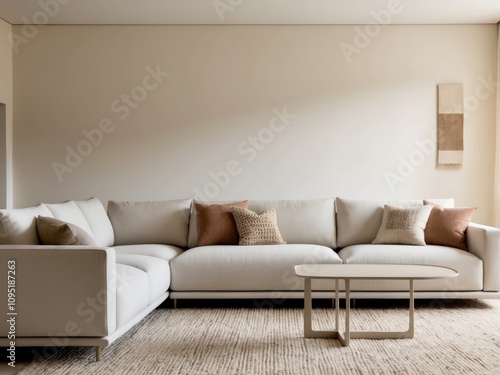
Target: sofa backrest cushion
[[18, 225], [301, 221], [98, 221], [70, 213], [358, 220], [89, 215], [150, 222]]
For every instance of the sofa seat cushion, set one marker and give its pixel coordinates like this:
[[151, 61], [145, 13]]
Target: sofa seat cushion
[[469, 266], [157, 269], [245, 268], [165, 252], [131, 283]]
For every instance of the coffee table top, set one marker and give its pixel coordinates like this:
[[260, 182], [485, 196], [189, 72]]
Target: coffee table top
[[374, 271]]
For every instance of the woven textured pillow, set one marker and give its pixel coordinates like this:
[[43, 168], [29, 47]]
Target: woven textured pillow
[[257, 229], [57, 232], [403, 225], [215, 224], [446, 226]]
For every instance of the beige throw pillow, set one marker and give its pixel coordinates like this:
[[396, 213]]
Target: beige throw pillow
[[257, 229], [446, 226], [215, 224], [403, 225], [57, 232]]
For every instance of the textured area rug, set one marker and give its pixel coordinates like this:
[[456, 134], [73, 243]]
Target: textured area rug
[[461, 337]]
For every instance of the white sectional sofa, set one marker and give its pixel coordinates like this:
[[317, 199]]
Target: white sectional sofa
[[88, 296], [146, 252]]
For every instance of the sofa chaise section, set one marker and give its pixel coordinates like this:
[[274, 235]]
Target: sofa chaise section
[[89, 296]]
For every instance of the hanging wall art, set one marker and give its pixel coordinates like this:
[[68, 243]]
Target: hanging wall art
[[450, 125]]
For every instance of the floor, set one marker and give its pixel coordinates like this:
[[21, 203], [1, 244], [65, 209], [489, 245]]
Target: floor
[[24, 356]]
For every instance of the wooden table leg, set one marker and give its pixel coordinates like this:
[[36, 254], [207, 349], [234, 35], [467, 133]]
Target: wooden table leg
[[309, 332], [411, 329], [337, 305], [345, 338], [307, 308]]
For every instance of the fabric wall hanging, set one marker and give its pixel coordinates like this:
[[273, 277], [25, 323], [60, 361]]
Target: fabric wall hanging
[[450, 125]]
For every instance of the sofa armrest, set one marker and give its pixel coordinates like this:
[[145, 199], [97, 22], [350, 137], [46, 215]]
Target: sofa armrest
[[484, 242], [60, 291]]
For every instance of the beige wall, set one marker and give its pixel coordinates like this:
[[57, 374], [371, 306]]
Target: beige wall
[[355, 124], [6, 181]]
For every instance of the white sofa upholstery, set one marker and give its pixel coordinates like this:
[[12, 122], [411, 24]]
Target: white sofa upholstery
[[73, 295], [244, 268], [305, 221], [164, 222], [261, 272], [146, 252], [469, 267]]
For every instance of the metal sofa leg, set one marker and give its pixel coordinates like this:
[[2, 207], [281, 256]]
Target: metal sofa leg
[[97, 353]]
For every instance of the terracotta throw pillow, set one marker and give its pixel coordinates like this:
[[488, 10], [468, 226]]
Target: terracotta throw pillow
[[255, 229], [403, 225], [446, 226], [215, 224], [57, 232]]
